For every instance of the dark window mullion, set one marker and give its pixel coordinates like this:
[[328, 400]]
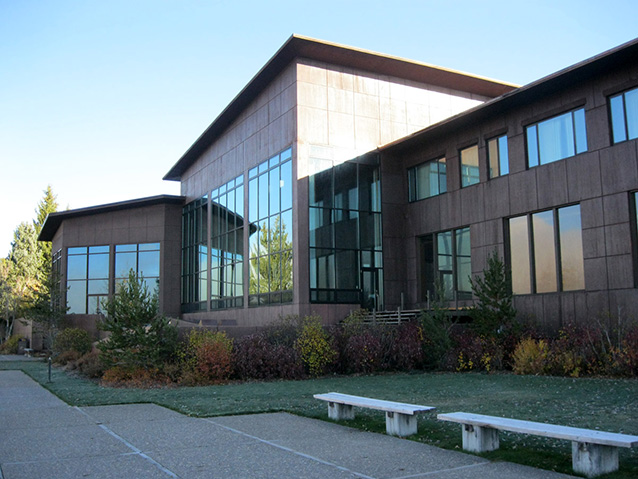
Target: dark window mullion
[[557, 252], [532, 256]]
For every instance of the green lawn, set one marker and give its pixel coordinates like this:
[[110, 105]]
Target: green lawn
[[606, 404]]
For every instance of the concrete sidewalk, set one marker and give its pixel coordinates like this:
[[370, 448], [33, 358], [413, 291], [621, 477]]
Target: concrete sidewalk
[[42, 437]]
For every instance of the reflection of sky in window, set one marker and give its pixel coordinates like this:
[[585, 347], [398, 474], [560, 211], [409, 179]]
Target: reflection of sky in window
[[76, 267], [98, 266]]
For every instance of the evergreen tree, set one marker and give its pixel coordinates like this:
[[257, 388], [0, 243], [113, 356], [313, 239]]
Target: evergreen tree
[[139, 336], [494, 313]]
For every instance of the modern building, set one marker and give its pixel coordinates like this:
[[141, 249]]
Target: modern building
[[340, 178]]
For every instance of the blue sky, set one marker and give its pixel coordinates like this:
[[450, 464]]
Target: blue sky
[[100, 98]]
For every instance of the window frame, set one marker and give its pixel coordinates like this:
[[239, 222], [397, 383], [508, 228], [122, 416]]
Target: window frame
[[498, 141], [471, 179], [531, 243], [577, 142], [428, 285], [441, 183], [621, 94]]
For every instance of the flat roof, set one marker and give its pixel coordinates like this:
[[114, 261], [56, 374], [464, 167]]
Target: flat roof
[[303, 47], [54, 220], [565, 78]]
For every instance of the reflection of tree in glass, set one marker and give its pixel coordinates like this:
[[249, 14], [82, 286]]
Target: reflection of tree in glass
[[274, 271]]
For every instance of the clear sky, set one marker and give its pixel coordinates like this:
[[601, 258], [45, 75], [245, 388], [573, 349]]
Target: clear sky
[[99, 98]]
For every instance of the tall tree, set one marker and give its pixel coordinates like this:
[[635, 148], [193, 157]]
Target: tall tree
[[48, 204], [8, 303]]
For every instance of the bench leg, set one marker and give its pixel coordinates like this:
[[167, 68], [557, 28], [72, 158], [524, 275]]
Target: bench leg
[[594, 459], [400, 424], [340, 412], [479, 439]]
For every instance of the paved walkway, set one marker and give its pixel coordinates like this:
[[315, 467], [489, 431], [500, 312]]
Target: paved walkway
[[42, 437]]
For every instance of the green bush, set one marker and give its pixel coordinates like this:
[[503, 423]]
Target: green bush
[[73, 339], [314, 346], [139, 336], [10, 346]]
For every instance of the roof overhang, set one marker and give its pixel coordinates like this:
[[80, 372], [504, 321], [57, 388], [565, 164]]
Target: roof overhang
[[54, 220], [339, 55]]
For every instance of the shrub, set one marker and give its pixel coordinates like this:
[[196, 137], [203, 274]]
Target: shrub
[[90, 365], [134, 377], [363, 351], [73, 339], [471, 352], [530, 357], [67, 357], [256, 357], [406, 347], [139, 336], [10, 346], [313, 344], [207, 357]]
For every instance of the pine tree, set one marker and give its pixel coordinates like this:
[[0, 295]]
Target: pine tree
[[494, 313]]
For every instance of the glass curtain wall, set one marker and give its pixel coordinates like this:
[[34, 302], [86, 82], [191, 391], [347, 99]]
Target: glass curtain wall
[[195, 255], [346, 261], [227, 245], [271, 231]]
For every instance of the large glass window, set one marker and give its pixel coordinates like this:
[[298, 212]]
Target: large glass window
[[498, 156], [447, 260], [556, 138], [546, 251], [427, 180], [227, 245], [469, 166], [624, 115], [346, 263], [143, 259], [87, 279], [271, 230], [195, 255]]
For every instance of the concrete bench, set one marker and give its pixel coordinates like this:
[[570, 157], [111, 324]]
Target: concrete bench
[[400, 418], [593, 452], [28, 352]]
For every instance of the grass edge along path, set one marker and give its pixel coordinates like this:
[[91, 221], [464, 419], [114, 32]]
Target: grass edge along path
[[605, 404]]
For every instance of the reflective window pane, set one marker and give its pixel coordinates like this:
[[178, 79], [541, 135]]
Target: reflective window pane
[[76, 267], [286, 185], [125, 262], [149, 264], [544, 252], [469, 166], [519, 255], [76, 297], [98, 266], [503, 155], [571, 248], [532, 146]]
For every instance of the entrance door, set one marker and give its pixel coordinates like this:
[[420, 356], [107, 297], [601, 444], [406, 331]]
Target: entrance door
[[371, 298]]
